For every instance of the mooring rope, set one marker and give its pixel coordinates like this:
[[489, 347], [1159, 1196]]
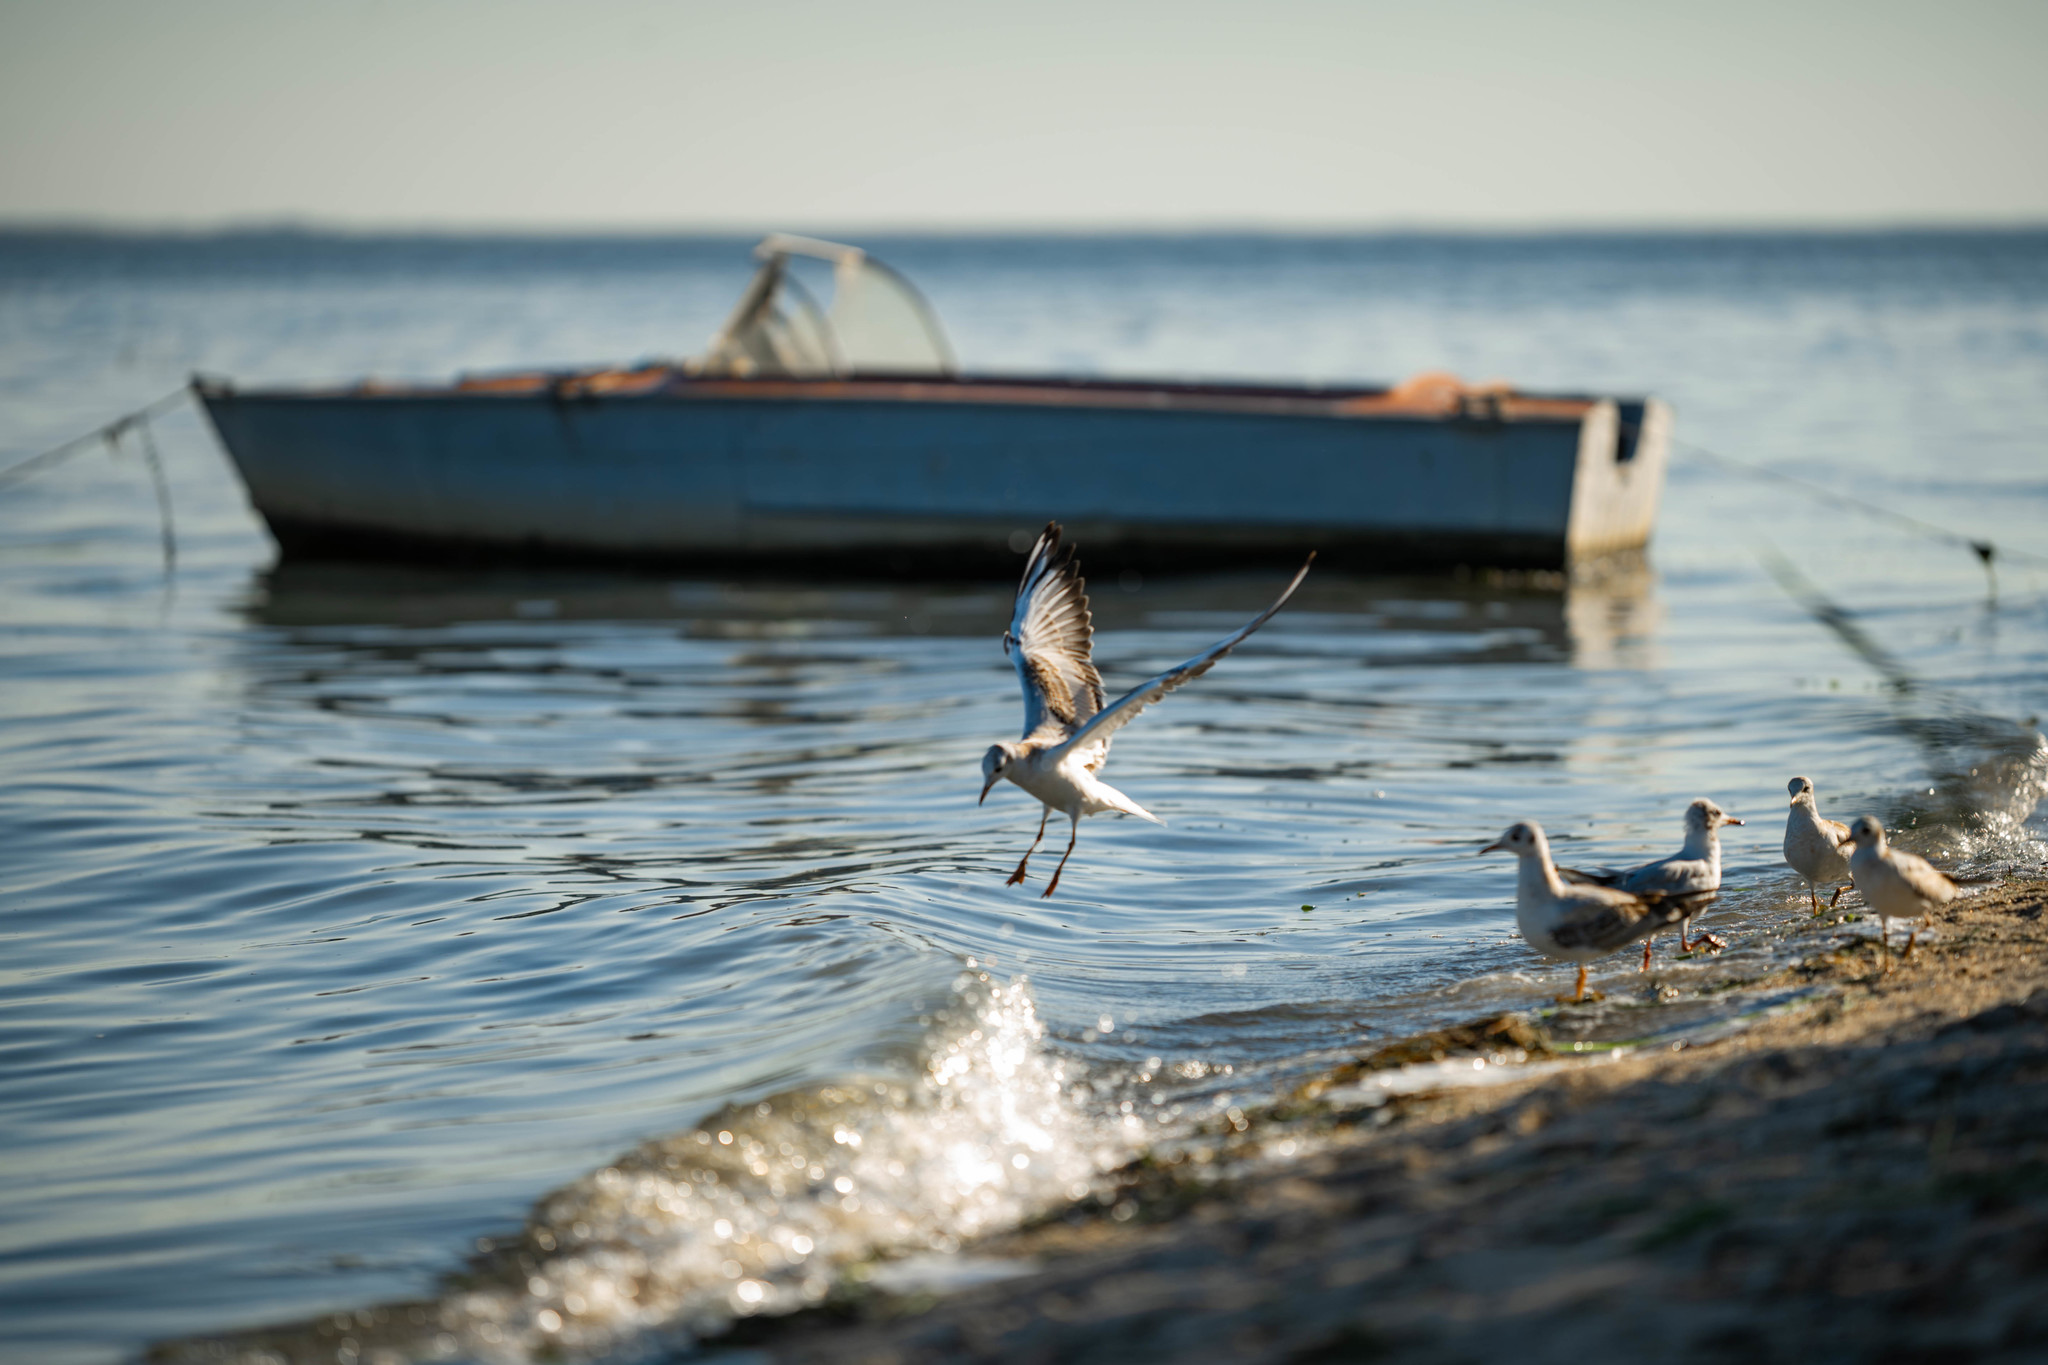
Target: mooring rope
[[1987, 552], [110, 435], [155, 461]]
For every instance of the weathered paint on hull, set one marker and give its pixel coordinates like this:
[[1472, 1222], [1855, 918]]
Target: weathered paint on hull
[[691, 478]]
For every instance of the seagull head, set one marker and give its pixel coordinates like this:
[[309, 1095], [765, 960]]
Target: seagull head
[[1865, 832], [1524, 838], [1799, 789], [993, 764], [1703, 815]]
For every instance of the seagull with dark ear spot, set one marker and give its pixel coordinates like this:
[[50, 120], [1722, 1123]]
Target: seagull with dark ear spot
[[1067, 728], [1695, 870], [1815, 846], [1580, 921]]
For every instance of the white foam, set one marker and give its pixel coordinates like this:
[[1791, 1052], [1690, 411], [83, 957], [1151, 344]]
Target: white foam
[[766, 1204]]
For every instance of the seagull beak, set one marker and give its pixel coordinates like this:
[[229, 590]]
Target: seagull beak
[[1730, 820], [993, 777], [1493, 847]]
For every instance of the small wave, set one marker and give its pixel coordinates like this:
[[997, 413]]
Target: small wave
[[756, 1210]]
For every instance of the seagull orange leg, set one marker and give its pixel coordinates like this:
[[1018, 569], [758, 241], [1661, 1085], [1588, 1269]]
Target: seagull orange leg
[[1836, 897], [1018, 875], [1052, 885], [1578, 996], [1688, 944], [1646, 953], [1814, 896]]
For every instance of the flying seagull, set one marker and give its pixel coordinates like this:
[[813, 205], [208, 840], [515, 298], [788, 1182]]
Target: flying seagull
[[1581, 921], [1692, 871], [1814, 844], [1067, 728]]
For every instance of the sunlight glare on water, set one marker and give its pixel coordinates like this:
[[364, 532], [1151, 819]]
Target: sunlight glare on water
[[753, 1210]]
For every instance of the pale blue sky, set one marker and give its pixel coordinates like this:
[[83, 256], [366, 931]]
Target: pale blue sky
[[616, 114]]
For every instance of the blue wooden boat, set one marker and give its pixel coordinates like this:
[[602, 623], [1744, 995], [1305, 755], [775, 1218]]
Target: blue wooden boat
[[848, 433]]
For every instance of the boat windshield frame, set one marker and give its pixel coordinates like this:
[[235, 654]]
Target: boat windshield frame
[[762, 338]]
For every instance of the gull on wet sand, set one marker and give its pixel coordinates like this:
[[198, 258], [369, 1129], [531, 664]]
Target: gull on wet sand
[[1895, 883], [1580, 921], [1067, 727], [1814, 844], [1694, 871]]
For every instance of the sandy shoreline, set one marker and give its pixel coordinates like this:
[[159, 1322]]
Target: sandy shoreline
[[1859, 1173]]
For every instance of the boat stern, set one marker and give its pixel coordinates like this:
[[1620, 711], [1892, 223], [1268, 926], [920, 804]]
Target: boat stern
[[1623, 449]]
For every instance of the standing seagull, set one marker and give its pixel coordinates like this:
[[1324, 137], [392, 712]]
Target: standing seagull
[[1895, 883], [1694, 870], [1814, 843], [1579, 921], [1066, 727]]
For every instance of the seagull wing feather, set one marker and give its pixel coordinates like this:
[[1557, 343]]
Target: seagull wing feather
[[1125, 709], [1923, 878], [1673, 876], [1604, 918], [1051, 640]]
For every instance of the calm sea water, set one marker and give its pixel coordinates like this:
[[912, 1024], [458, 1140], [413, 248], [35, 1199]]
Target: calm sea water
[[356, 920]]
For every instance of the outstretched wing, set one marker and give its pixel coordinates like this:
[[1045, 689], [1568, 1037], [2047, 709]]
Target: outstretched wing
[[1126, 708], [1051, 639]]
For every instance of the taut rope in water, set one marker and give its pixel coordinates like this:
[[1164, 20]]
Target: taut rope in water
[[1986, 551], [110, 435]]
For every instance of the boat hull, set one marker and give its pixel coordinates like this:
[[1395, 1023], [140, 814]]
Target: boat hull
[[906, 479]]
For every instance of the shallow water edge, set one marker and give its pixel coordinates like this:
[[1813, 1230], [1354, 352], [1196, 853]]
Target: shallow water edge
[[866, 1199], [1849, 1165]]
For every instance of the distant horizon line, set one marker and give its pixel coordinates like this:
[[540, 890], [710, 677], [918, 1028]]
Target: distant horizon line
[[309, 227]]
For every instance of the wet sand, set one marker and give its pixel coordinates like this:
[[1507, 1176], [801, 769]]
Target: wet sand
[[1860, 1174]]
